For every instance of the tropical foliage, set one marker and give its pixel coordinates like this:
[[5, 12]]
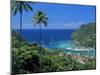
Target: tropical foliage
[[33, 58], [20, 6], [27, 59], [86, 35], [40, 18]]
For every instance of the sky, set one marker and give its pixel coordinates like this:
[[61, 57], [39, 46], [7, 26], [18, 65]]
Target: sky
[[60, 16]]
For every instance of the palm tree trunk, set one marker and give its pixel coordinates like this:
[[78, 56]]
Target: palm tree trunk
[[40, 34], [20, 27], [40, 45], [20, 33]]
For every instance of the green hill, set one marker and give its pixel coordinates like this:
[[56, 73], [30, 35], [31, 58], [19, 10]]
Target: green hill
[[32, 58], [86, 35]]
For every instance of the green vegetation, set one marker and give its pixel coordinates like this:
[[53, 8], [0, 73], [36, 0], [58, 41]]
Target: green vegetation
[[20, 6], [40, 18], [32, 58], [85, 36]]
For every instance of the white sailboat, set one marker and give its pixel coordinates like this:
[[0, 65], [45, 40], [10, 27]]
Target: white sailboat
[[51, 42], [43, 43]]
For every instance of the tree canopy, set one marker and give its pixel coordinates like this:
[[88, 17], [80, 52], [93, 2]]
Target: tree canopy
[[86, 35], [27, 59]]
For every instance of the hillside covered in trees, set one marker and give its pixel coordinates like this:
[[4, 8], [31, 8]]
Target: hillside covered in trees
[[32, 58], [85, 36]]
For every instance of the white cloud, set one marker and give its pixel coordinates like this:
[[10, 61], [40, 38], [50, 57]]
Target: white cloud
[[58, 25], [70, 25]]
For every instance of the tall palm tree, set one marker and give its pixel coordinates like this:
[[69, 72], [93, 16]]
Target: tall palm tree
[[20, 6], [38, 19]]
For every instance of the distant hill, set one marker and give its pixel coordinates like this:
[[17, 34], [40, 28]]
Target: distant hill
[[32, 58], [86, 35]]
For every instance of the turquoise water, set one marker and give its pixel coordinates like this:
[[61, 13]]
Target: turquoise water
[[62, 44], [55, 39], [69, 46]]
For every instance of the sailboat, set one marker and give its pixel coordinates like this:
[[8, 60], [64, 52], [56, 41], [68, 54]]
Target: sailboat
[[51, 42], [43, 43]]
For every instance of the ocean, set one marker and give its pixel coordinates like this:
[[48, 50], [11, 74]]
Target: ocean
[[54, 39], [47, 35]]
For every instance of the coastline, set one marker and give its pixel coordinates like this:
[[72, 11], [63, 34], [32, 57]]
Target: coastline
[[80, 49]]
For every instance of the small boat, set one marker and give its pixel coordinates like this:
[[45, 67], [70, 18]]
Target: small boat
[[43, 45], [68, 48], [51, 42]]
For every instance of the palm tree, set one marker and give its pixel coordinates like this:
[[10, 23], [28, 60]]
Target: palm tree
[[39, 19], [20, 6]]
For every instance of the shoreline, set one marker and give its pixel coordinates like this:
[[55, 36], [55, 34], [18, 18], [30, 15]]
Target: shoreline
[[80, 49]]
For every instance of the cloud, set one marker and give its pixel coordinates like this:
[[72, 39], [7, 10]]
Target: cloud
[[58, 25], [70, 25]]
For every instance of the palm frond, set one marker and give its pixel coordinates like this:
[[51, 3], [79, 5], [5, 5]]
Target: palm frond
[[40, 18], [29, 7], [25, 7], [19, 6], [45, 23], [16, 10]]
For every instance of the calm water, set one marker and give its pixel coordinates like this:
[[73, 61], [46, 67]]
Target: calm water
[[47, 35], [54, 39]]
